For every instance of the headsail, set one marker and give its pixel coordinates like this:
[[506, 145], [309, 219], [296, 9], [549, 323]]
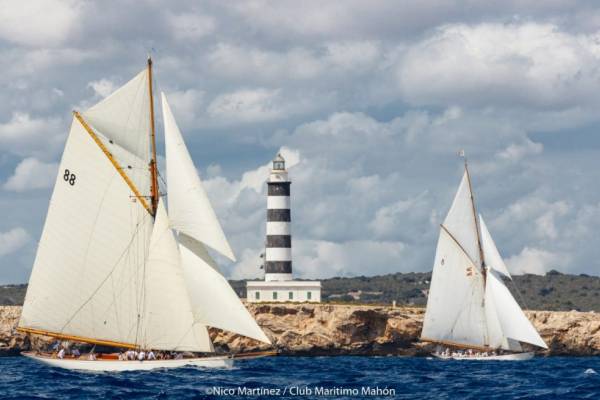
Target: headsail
[[213, 300], [512, 320], [492, 256], [190, 210], [167, 322]]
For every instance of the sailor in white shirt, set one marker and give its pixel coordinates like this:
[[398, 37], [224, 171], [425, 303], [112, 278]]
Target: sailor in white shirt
[[61, 354], [141, 356], [151, 355]]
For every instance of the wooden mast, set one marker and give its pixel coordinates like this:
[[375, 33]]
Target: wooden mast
[[154, 191]]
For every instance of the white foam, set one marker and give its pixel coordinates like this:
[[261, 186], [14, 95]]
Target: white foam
[[590, 371]]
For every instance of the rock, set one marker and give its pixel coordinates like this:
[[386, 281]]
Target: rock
[[328, 329]]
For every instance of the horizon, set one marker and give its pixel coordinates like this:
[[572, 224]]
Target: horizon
[[368, 106]]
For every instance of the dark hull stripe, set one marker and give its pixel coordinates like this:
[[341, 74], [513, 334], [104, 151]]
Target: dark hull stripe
[[279, 241], [278, 188], [278, 267], [278, 215]]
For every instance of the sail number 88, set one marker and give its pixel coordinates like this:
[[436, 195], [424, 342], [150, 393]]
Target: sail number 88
[[69, 177]]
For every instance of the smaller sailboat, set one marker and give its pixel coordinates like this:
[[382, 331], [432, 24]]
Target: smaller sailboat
[[470, 313], [114, 268]]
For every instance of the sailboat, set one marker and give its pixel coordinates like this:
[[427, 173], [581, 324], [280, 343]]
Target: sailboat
[[114, 267], [470, 313]]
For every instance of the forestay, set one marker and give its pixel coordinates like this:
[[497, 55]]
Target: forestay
[[190, 210]]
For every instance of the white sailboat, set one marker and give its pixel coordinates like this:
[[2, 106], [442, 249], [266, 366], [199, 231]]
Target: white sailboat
[[113, 267], [470, 312]]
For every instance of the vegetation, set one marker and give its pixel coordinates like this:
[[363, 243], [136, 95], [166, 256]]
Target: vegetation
[[554, 291]]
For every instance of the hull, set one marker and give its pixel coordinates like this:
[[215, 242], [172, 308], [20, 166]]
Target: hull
[[120, 366], [503, 357]]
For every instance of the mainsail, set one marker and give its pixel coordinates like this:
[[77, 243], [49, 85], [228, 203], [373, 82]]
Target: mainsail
[[468, 304], [109, 269]]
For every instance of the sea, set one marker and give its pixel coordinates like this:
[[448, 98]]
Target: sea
[[316, 377]]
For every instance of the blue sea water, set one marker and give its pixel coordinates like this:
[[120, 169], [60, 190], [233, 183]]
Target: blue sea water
[[316, 377]]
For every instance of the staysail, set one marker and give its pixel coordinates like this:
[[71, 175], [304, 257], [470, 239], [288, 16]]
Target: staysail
[[213, 300], [167, 322], [190, 210], [512, 320], [492, 256]]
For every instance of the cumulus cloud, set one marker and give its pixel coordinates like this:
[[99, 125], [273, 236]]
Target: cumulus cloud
[[369, 103], [509, 65], [31, 174], [534, 261], [25, 136], [102, 87], [190, 26], [12, 240], [39, 22]]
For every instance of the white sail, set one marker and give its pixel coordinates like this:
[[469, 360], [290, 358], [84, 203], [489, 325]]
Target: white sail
[[190, 210], [490, 252], [512, 319], [455, 309], [124, 116], [461, 222], [86, 276], [213, 300], [167, 322]]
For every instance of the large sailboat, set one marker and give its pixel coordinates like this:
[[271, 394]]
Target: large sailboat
[[114, 267], [470, 313]]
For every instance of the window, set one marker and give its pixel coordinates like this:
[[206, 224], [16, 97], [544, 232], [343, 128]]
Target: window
[[309, 295], [274, 295], [257, 295], [291, 295]]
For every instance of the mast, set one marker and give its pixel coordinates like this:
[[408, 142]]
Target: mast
[[475, 217], [154, 191], [482, 266]]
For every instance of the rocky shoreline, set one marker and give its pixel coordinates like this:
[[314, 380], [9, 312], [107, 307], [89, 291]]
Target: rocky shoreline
[[335, 329]]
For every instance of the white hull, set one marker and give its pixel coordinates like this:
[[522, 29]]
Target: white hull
[[503, 357], [119, 366]]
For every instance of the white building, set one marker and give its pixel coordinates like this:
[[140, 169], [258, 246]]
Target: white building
[[279, 284]]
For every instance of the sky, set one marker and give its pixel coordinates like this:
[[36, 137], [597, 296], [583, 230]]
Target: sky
[[368, 101]]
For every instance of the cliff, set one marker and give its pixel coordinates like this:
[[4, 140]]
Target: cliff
[[326, 329]]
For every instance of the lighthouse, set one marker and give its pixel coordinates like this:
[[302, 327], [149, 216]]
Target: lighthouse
[[278, 284], [278, 243]]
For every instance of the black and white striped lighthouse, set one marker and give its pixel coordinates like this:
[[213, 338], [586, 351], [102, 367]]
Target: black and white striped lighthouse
[[278, 253]]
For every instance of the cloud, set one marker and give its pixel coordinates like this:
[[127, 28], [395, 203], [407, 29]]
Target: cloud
[[508, 65], [26, 136], [103, 87], [534, 261], [31, 174], [39, 22], [190, 26], [12, 240]]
